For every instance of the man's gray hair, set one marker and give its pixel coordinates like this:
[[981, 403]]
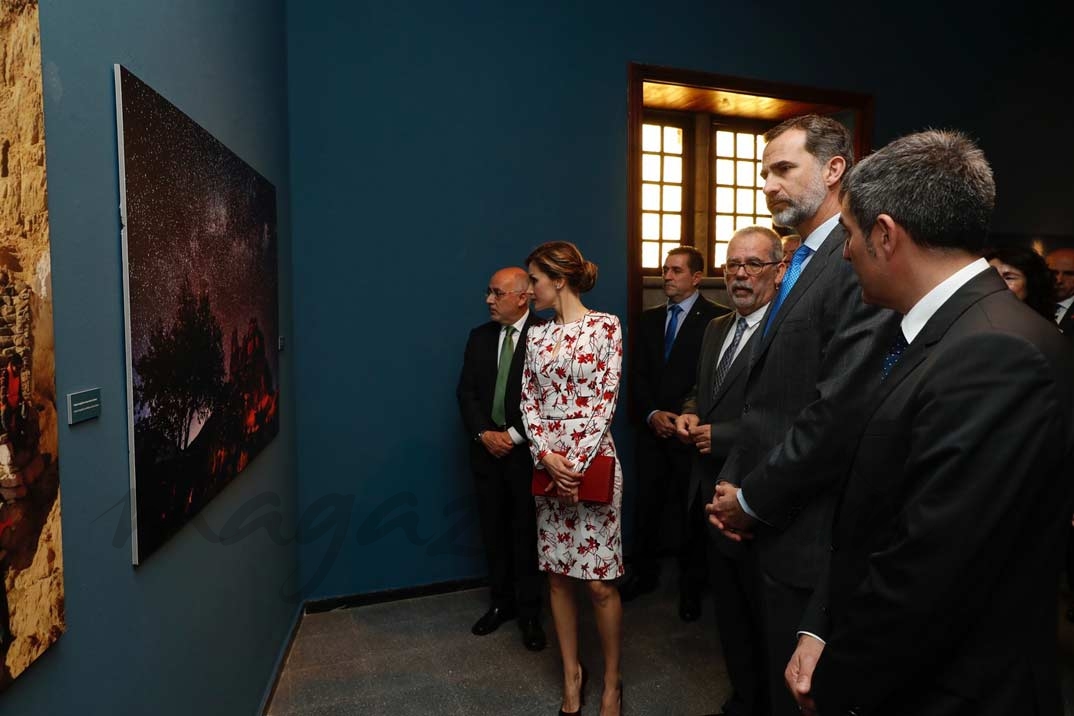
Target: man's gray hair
[[936, 184], [775, 242]]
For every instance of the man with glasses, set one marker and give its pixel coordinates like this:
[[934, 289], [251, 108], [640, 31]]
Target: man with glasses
[[819, 351], [710, 422], [663, 368], [489, 393]]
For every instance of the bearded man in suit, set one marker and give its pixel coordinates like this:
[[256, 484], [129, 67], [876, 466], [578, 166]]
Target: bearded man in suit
[[489, 393], [947, 541], [663, 368], [817, 351], [710, 422]]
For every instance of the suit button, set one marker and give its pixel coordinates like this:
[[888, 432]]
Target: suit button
[[745, 408]]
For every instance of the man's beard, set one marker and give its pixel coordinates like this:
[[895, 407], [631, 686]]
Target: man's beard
[[802, 209]]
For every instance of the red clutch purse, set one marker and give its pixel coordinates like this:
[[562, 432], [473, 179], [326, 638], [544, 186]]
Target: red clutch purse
[[597, 481]]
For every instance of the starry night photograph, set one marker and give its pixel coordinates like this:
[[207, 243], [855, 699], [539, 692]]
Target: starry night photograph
[[200, 250]]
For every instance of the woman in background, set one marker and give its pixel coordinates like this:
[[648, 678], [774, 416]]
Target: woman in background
[[1027, 276], [570, 384]]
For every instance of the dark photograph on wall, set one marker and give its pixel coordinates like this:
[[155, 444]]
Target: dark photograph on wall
[[202, 322], [32, 607]]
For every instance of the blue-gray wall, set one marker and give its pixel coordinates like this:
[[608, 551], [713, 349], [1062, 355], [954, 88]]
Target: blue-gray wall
[[432, 142], [197, 628]]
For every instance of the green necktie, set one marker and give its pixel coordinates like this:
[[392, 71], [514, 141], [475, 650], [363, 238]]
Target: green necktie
[[502, 369]]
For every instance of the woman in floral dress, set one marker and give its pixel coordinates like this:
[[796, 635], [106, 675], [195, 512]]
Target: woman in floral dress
[[569, 388]]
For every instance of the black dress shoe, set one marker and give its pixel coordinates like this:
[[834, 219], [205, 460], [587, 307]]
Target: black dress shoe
[[689, 606], [634, 586], [532, 634], [492, 620]]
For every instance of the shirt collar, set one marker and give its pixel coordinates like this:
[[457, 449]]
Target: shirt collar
[[752, 319], [818, 235], [1065, 303], [916, 318], [519, 323], [687, 304]]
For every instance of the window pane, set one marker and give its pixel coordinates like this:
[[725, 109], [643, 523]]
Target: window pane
[[668, 246], [744, 202], [721, 253], [650, 254], [650, 167], [650, 197], [725, 171], [762, 205], [725, 144], [673, 169], [672, 229], [747, 173], [650, 226], [725, 227], [760, 146], [672, 140], [650, 138], [672, 198], [725, 199], [745, 145], [741, 222]]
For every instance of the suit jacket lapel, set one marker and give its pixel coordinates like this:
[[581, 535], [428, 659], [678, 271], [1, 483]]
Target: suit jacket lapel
[[832, 242], [981, 285], [711, 361], [739, 364], [688, 322]]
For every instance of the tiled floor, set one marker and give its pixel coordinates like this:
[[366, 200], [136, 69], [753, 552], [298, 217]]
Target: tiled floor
[[417, 656]]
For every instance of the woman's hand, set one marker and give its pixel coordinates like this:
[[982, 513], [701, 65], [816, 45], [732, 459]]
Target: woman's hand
[[565, 480]]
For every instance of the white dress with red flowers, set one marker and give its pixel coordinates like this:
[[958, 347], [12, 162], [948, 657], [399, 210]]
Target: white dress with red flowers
[[569, 388]]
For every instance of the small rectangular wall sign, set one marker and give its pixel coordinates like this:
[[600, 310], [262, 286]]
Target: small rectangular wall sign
[[83, 405]]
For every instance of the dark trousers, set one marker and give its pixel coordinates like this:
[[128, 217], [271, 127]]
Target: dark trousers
[[783, 606], [663, 476], [508, 519], [736, 594]]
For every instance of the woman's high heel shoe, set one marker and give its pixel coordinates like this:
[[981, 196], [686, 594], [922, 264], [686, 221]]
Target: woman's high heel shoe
[[581, 695]]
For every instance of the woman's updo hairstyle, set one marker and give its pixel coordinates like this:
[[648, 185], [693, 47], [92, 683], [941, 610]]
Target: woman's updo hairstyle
[[563, 260]]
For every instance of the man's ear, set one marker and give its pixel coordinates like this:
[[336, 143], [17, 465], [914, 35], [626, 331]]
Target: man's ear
[[891, 234], [834, 170]]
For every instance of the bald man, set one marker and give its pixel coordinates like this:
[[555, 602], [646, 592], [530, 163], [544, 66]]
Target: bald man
[[489, 394]]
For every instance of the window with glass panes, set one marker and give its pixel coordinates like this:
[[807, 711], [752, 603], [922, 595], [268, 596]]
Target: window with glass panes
[[738, 188], [661, 192]]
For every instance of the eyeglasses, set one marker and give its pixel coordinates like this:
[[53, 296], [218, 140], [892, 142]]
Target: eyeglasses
[[753, 267], [498, 293]]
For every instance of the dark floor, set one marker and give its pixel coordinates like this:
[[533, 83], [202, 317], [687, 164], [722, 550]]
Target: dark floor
[[417, 656]]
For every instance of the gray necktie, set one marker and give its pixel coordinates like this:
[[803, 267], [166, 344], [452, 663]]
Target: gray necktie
[[728, 356]]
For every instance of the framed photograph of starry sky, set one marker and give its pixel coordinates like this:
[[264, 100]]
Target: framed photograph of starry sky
[[200, 269]]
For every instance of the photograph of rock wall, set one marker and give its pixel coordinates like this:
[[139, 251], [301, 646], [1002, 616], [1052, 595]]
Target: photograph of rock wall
[[31, 561], [202, 321]]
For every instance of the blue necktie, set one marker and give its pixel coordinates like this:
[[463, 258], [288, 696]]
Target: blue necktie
[[894, 354], [793, 272], [669, 335]]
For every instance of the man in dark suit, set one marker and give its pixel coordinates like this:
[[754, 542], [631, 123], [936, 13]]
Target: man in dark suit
[[940, 597], [1061, 263], [710, 421], [818, 345], [663, 369], [489, 393]]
